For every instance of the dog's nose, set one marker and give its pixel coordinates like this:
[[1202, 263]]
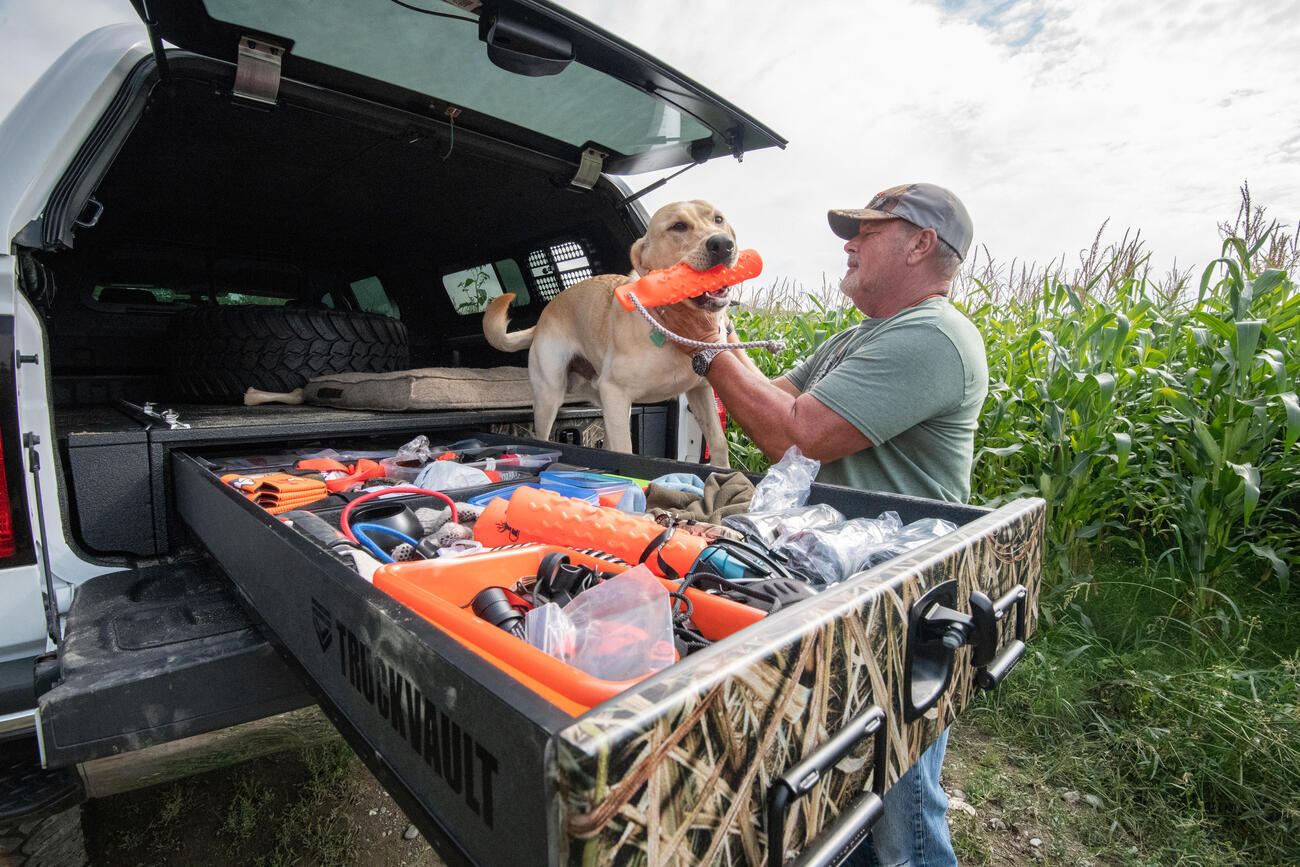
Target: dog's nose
[[721, 249]]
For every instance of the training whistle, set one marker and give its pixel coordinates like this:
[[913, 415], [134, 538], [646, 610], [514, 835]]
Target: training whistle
[[681, 281]]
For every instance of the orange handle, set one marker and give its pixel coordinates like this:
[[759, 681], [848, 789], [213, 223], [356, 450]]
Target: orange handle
[[682, 281], [545, 516]]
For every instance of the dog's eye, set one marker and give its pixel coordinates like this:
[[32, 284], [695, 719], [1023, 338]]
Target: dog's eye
[[719, 219], [679, 226]]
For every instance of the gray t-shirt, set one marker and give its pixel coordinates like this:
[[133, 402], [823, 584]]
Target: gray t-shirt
[[914, 385]]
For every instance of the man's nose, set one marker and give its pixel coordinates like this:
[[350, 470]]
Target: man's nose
[[721, 249]]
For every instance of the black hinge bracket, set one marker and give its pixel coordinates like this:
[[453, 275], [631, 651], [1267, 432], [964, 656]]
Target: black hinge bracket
[[736, 141]]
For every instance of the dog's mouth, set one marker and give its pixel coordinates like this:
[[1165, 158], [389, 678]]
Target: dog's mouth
[[715, 300]]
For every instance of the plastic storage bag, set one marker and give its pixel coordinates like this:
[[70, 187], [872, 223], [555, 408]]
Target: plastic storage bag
[[911, 536], [621, 629], [450, 476], [767, 527], [827, 556], [786, 484]]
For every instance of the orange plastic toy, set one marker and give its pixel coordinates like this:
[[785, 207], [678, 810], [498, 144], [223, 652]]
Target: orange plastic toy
[[539, 515], [682, 281], [441, 589], [361, 470]]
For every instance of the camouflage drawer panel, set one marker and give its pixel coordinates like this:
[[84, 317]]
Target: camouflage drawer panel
[[676, 771]]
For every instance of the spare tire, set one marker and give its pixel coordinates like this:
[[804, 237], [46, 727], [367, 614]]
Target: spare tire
[[218, 352]]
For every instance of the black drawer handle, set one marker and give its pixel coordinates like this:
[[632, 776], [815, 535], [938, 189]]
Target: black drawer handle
[[835, 843], [994, 663]]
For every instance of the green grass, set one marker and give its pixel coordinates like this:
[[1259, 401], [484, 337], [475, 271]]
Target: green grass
[[285, 809], [315, 823], [1194, 749], [1160, 422]]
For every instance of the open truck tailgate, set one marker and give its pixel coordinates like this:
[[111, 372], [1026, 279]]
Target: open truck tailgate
[[693, 764]]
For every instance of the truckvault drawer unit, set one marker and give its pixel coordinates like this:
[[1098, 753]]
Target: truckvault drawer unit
[[796, 723]]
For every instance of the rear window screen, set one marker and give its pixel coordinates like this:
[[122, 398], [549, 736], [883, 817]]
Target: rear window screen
[[558, 266]]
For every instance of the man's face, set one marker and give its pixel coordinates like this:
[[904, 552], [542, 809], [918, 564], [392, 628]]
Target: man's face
[[875, 255]]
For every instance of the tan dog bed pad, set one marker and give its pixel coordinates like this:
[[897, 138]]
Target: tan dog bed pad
[[426, 388]]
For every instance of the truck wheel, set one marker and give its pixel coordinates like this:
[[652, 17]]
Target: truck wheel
[[51, 841], [219, 352]]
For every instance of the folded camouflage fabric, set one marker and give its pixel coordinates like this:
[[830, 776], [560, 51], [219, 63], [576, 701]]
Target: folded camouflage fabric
[[724, 494]]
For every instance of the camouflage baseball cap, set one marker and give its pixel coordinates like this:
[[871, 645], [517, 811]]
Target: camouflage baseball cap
[[926, 205]]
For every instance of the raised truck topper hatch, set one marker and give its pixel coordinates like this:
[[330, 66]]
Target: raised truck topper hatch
[[524, 71]]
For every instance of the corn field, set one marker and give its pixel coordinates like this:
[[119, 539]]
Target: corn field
[[1159, 419], [1143, 417]]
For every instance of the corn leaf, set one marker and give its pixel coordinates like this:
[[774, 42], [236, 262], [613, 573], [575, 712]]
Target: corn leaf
[[1280, 568], [1123, 446], [1292, 404], [1250, 479]]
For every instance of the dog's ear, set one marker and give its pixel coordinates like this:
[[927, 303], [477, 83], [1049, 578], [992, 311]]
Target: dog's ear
[[637, 256]]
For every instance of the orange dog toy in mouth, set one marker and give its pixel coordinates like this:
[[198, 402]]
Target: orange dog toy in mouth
[[682, 281]]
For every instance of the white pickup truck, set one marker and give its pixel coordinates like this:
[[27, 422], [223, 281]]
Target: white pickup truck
[[238, 193]]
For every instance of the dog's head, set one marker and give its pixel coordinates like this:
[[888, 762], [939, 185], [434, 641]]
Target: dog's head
[[693, 232]]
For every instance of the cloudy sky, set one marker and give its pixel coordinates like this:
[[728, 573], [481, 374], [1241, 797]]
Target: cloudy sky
[[1047, 117]]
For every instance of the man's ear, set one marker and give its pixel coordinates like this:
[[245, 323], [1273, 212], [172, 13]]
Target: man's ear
[[636, 253], [923, 244]]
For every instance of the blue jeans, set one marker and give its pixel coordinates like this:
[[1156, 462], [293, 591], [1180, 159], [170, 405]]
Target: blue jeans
[[913, 832]]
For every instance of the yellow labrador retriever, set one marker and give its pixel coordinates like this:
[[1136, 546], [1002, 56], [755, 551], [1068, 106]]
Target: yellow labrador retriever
[[586, 343]]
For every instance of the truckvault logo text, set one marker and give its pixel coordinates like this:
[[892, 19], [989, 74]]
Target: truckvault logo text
[[450, 751]]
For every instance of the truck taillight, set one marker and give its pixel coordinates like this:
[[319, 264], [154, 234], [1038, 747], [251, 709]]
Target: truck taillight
[[7, 545], [16, 544]]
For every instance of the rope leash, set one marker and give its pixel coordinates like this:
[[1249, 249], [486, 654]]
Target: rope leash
[[769, 345]]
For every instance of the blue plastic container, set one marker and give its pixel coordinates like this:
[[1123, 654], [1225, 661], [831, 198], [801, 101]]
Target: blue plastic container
[[609, 490], [586, 494]]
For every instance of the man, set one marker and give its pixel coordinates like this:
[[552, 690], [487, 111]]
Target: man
[[890, 405]]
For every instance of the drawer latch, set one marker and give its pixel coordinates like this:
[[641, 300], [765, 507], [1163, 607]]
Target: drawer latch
[[935, 630]]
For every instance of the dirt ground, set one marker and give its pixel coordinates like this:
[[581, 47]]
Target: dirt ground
[[325, 808], [281, 810]]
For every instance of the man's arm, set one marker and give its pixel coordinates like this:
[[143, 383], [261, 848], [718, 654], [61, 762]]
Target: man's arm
[[776, 415]]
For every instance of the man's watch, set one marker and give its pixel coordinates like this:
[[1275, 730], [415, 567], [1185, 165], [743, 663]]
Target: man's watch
[[701, 360]]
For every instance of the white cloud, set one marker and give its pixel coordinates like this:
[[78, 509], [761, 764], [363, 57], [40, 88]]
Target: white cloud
[[1150, 115], [1046, 116]]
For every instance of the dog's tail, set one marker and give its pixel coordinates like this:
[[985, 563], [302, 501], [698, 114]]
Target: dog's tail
[[495, 320]]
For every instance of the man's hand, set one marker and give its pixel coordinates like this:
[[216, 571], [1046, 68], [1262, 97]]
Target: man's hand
[[687, 320]]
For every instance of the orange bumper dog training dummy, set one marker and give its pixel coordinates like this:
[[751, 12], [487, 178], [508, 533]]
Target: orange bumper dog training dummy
[[539, 515], [682, 281]]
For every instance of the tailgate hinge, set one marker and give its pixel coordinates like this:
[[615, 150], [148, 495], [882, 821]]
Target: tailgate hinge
[[589, 168], [257, 72]]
